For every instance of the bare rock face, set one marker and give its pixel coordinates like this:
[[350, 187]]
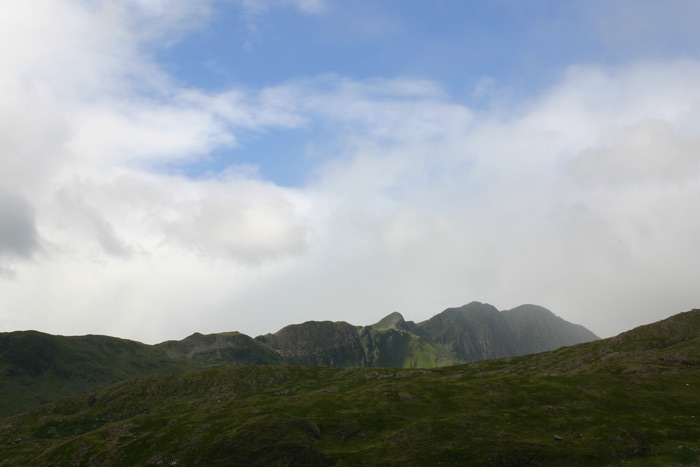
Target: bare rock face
[[324, 343]]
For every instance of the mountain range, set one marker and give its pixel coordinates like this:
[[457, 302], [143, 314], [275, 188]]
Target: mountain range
[[37, 368], [628, 400]]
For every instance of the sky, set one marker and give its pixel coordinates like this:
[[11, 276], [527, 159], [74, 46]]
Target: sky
[[170, 167]]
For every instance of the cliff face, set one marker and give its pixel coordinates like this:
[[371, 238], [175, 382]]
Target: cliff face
[[318, 343]]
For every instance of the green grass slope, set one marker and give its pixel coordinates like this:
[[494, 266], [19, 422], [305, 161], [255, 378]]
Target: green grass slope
[[629, 400], [36, 368]]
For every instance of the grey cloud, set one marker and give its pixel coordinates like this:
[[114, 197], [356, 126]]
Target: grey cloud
[[649, 151], [18, 233], [82, 216], [6, 273]]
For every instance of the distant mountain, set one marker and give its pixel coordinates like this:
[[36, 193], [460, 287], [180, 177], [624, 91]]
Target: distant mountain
[[470, 333], [627, 400], [36, 368], [223, 349], [535, 329], [389, 343], [478, 331]]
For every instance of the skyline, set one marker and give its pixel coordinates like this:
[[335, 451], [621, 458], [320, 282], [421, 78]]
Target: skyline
[[171, 167]]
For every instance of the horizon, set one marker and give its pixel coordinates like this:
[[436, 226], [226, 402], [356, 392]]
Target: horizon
[[167, 166], [191, 333]]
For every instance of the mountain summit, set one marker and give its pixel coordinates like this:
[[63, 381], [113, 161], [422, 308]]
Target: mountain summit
[[36, 367], [392, 321]]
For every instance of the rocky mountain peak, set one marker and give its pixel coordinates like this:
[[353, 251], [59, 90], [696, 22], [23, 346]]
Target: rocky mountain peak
[[392, 321]]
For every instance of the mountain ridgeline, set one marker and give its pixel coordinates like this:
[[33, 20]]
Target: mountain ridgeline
[[36, 368], [628, 400], [469, 333]]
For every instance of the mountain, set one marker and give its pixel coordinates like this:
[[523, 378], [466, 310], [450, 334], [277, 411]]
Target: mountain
[[389, 343], [473, 332], [628, 400], [37, 368], [220, 350], [536, 329], [478, 331]]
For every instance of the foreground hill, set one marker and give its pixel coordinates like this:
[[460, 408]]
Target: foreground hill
[[37, 368], [630, 400]]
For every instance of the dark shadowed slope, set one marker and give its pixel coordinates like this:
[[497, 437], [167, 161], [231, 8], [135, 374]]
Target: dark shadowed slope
[[478, 331], [536, 329], [36, 367]]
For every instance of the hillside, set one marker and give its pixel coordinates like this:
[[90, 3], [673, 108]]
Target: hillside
[[37, 368], [630, 400]]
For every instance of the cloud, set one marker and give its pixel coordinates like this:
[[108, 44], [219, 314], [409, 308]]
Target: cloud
[[646, 152], [581, 198], [78, 216], [242, 220], [19, 238]]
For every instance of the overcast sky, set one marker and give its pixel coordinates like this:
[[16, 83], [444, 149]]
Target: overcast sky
[[172, 166]]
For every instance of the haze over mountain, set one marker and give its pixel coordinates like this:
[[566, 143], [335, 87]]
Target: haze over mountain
[[38, 367], [629, 400]]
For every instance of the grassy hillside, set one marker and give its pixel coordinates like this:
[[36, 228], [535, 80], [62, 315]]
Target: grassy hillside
[[631, 400], [36, 368]]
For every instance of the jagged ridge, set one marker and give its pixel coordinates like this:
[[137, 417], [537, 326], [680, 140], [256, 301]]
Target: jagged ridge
[[37, 367]]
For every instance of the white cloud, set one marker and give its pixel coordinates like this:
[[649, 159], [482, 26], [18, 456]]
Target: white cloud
[[582, 199]]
